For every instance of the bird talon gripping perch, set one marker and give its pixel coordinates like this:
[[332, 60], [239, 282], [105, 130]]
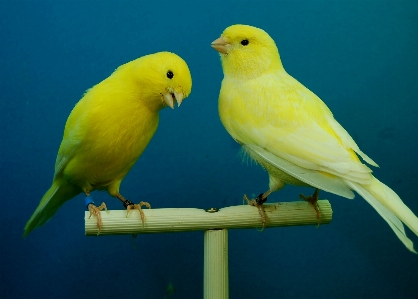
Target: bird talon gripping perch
[[313, 200], [94, 210], [129, 205], [258, 203]]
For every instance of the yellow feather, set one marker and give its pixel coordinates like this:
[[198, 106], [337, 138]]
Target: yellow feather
[[110, 127], [289, 130]]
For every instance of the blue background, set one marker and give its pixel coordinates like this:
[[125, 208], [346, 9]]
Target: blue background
[[360, 57]]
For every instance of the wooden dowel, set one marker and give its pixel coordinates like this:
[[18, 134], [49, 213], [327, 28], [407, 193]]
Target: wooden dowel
[[115, 222]]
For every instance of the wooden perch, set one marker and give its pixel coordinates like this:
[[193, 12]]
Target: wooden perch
[[115, 222]]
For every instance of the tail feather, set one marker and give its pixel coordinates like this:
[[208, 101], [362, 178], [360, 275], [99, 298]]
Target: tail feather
[[53, 199], [390, 207]]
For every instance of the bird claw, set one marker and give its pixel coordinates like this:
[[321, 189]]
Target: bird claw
[[138, 207], [313, 200], [258, 203], [94, 210]]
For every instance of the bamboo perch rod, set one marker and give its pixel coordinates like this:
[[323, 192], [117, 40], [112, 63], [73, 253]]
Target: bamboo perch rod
[[115, 222]]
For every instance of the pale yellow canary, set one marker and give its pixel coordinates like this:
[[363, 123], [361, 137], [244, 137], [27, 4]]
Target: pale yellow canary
[[110, 127], [289, 131]]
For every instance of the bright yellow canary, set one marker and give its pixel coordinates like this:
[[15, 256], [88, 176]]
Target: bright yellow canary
[[289, 131], [110, 127]]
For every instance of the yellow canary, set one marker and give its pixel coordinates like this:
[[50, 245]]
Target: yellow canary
[[110, 127], [291, 133]]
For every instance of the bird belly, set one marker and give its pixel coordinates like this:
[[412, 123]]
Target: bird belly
[[272, 170], [107, 157]]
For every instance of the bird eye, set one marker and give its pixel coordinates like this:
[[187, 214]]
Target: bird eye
[[170, 75], [245, 42]]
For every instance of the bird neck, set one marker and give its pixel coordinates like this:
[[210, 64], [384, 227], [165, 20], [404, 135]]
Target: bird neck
[[138, 92], [250, 67]]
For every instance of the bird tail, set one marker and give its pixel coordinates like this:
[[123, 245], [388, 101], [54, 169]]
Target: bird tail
[[53, 199], [392, 209]]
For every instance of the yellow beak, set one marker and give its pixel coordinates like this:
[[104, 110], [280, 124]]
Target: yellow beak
[[170, 97], [220, 45]]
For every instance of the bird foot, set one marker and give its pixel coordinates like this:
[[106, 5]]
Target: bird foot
[[94, 210], [313, 200], [139, 208], [258, 203], [129, 205]]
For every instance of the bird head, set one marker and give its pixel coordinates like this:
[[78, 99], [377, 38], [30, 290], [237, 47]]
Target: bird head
[[247, 51], [165, 78]]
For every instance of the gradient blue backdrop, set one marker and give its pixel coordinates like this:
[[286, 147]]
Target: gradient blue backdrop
[[360, 57]]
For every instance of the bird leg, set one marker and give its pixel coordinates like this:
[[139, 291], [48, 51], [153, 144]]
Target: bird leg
[[258, 203], [129, 205], [313, 200], [94, 210]]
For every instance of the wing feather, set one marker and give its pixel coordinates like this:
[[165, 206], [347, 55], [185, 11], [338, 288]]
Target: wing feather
[[311, 177]]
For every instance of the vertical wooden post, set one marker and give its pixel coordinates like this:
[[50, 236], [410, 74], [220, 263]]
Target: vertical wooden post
[[215, 273]]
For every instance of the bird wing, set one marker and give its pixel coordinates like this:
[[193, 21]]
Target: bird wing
[[288, 121], [65, 153], [74, 134], [314, 178], [312, 148]]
